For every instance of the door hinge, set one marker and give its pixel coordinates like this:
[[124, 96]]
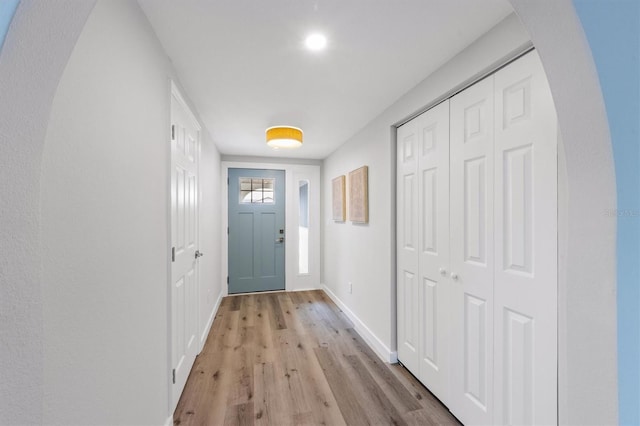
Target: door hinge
[[227, 181], [173, 132], [227, 230], [173, 254], [227, 279], [174, 376]]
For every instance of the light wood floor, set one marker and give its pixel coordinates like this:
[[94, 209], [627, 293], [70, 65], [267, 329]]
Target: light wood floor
[[294, 358]]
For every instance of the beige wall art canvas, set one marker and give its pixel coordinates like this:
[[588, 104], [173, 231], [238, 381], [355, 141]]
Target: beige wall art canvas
[[338, 199], [359, 195]]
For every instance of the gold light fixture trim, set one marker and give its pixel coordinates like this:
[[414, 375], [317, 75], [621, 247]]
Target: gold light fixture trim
[[284, 137]]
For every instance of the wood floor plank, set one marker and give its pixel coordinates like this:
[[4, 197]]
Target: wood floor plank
[[214, 337], [275, 312], [235, 303], [303, 314], [324, 407], [264, 343], [389, 382], [229, 331], [261, 301], [325, 333], [270, 405], [288, 371], [304, 419], [224, 304], [426, 417], [240, 415], [294, 359], [204, 397], [378, 407], [241, 384], [349, 405], [334, 317], [432, 405], [326, 299], [291, 317], [297, 297], [320, 332], [247, 308]]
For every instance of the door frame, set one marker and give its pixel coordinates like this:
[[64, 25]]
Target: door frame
[[175, 91], [293, 281]]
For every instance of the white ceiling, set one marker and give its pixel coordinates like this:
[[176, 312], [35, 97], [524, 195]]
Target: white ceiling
[[244, 65]]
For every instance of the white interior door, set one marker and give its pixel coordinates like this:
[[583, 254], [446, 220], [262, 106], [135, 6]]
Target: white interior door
[[408, 310], [432, 128], [472, 253], [525, 290], [185, 152]]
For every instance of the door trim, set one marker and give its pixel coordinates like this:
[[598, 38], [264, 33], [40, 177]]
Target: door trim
[[492, 69], [293, 280]]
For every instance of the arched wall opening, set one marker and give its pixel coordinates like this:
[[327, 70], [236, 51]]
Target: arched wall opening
[[36, 50], [587, 238]]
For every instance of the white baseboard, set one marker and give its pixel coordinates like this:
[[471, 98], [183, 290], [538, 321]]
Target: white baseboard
[[169, 421], [369, 337], [207, 329], [304, 289]]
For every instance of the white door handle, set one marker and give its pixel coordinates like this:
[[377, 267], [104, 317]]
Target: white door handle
[[454, 276], [442, 271]]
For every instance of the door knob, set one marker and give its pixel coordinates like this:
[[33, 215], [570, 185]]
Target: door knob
[[199, 254], [442, 271], [280, 240], [454, 276]]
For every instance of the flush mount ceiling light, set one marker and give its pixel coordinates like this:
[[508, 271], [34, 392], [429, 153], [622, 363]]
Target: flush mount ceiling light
[[316, 42], [284, 137]]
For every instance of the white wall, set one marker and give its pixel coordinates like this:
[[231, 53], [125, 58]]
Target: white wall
[[365, 254], [105, 227], [211, 286]]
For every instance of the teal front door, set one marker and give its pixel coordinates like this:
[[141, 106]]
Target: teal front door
[[256, 230]]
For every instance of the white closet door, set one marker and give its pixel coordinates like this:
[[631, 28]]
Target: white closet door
[[408, 240], [472, 256], [525, 291], [432, 129]]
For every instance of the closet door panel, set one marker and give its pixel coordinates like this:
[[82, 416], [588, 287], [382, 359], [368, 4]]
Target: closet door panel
[[472, 253], [477, 248], [525, 287], [408, 245], [433, 213]]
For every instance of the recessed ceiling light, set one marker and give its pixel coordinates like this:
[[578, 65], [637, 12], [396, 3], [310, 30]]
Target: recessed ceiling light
[[316, 42]]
